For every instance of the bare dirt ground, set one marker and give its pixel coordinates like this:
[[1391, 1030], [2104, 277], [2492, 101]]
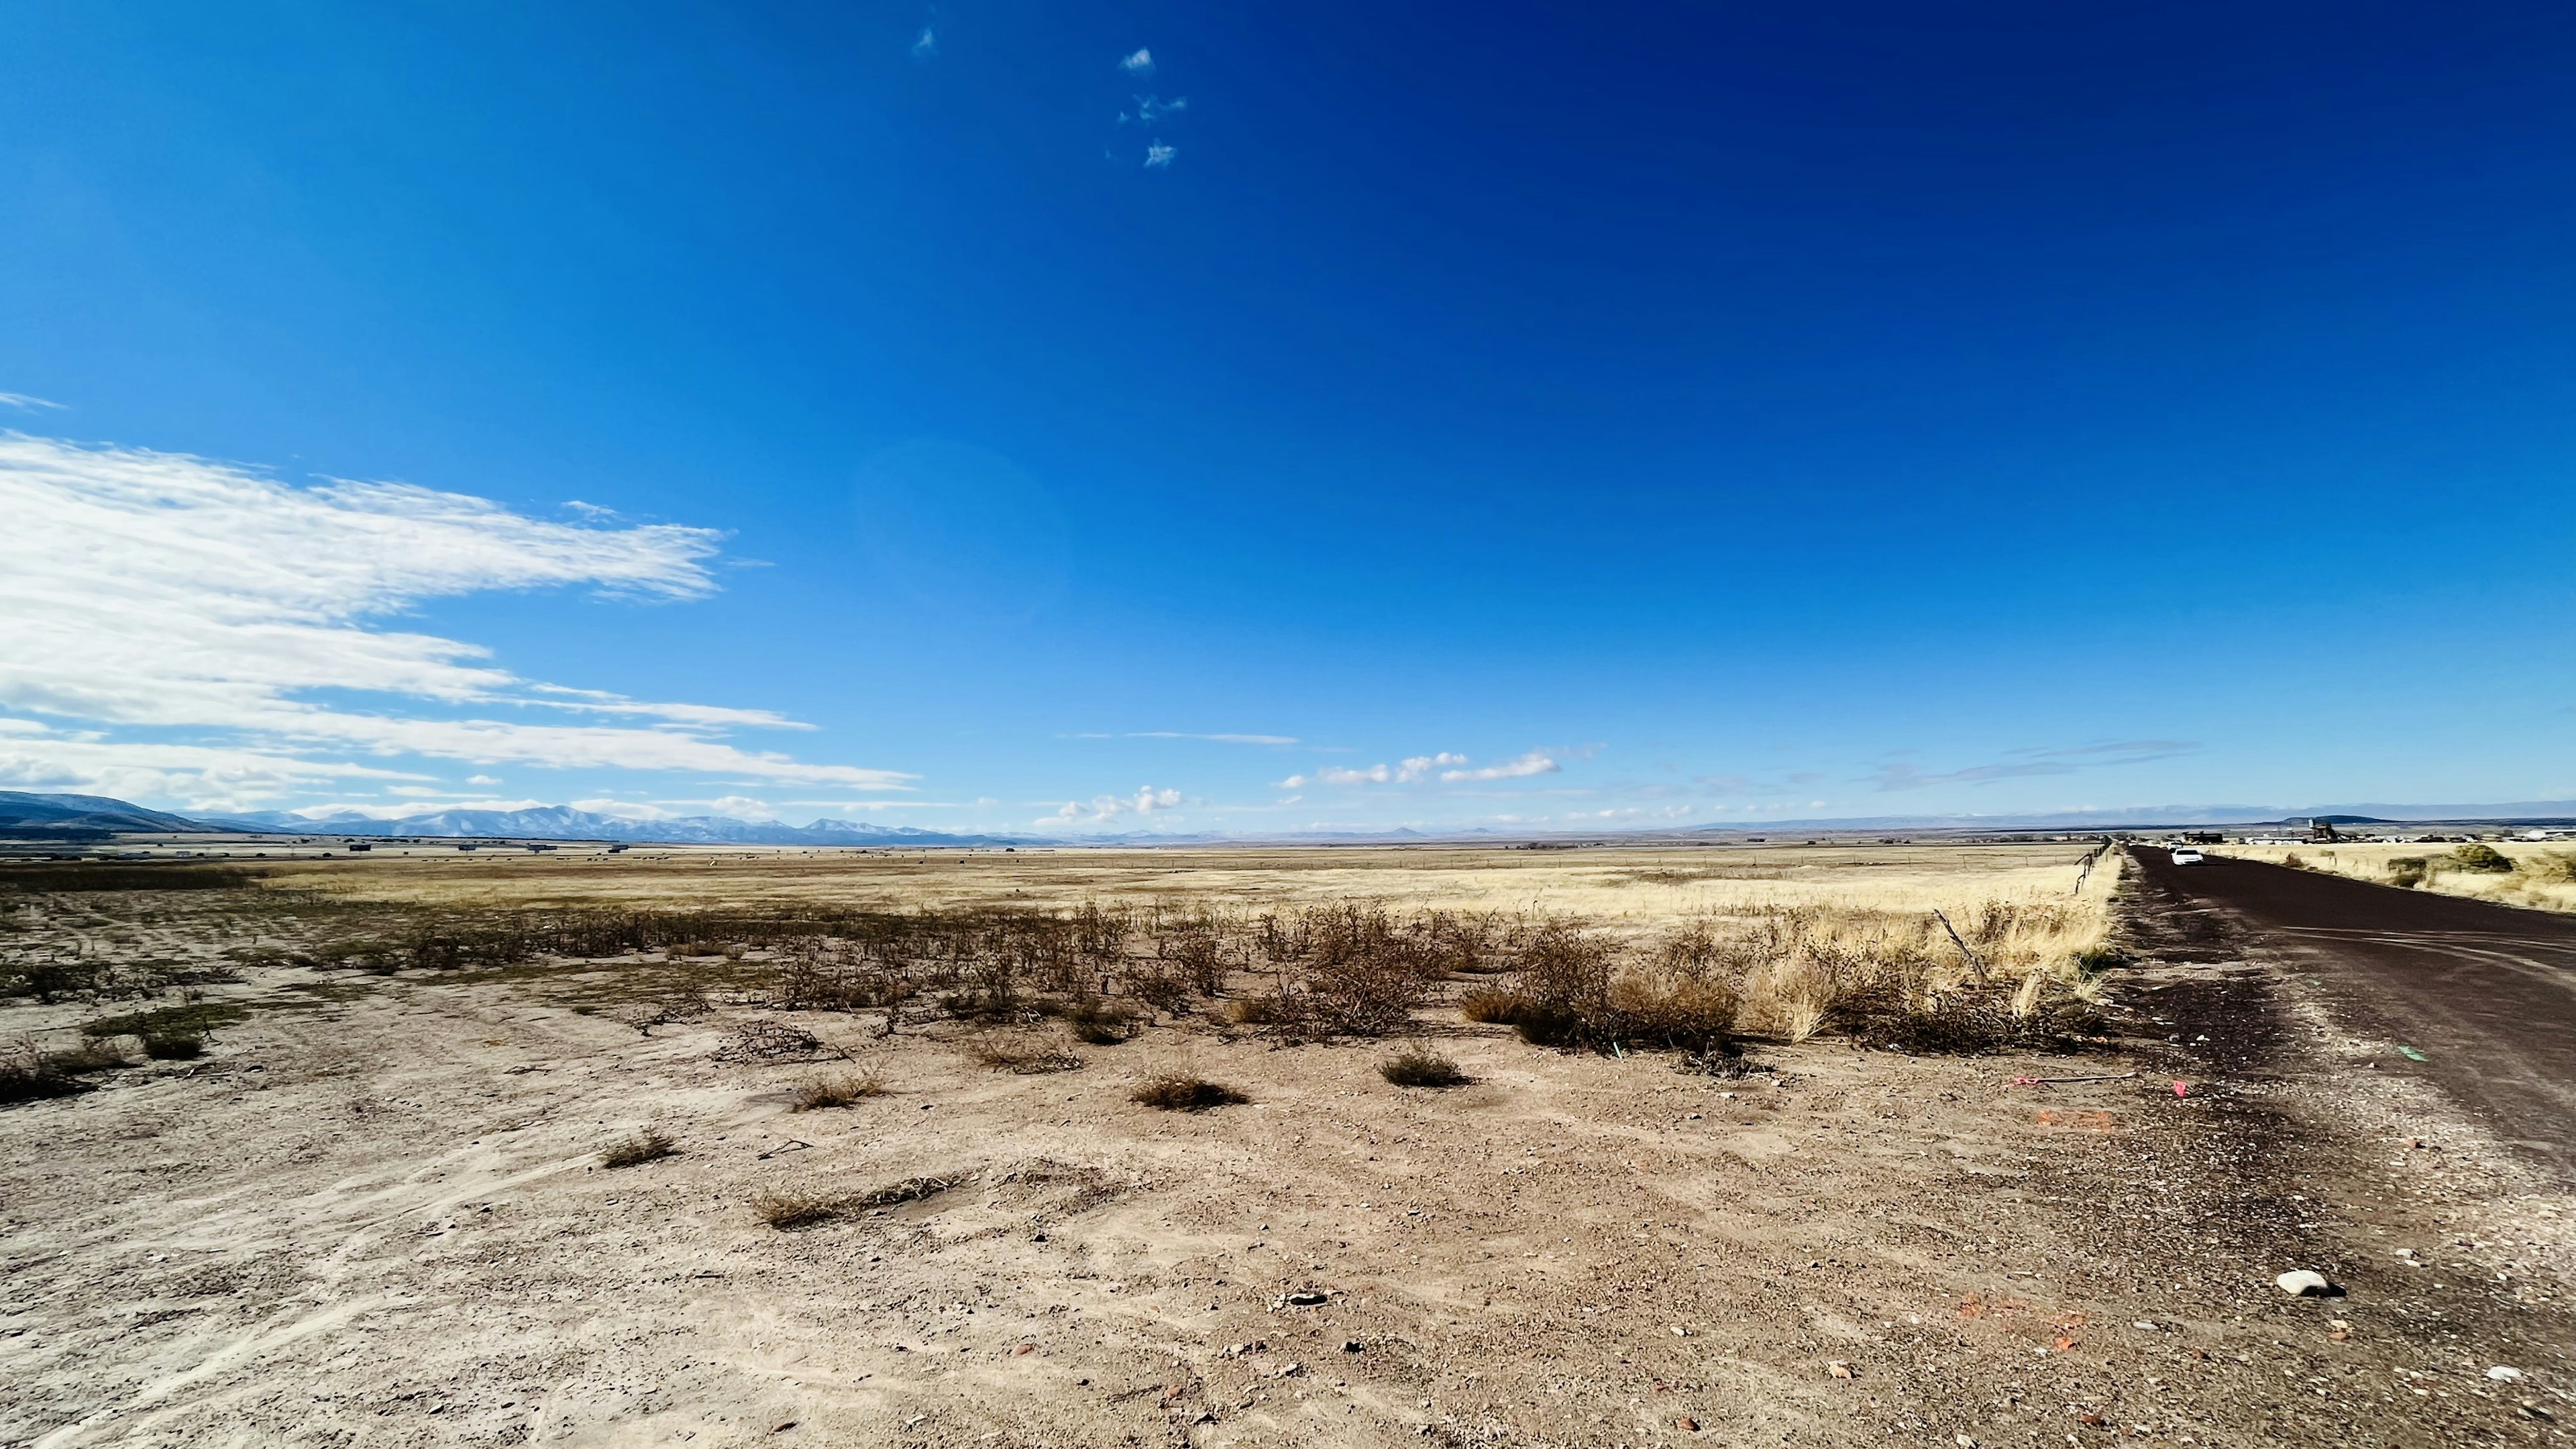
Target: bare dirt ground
[[376, 1214]]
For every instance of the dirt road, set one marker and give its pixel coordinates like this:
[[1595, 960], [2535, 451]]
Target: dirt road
[[2485, 994]]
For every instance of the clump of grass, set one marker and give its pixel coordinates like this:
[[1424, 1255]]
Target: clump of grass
[[817, 1093], [1096, 1024], [1421, 1067], [2408, 870], [1491, 1004], [1182, 1092], [790, 1210], [98, 1055], [33, 1079], [173, 1046], [650, 1145], [2481, 858]]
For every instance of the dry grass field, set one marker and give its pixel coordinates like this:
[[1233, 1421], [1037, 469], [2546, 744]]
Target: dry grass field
[[2542, 877], [1313, 1147]]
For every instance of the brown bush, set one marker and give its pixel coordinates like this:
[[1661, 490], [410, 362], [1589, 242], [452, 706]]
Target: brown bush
[[1180, 1092], [817, 1094], [1421, 1067], [649, 1145]]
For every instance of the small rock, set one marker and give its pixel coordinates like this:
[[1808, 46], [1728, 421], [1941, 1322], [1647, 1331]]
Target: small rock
[[1686, 1424], [1303, 1300], [1680, 1332], [2145, 1323], [2504, 1375], [1353, 1345], [1026, 1348], [2304, 1283], [1964, 1441], [1842, 1370], [1288, 1371], [783, 1428]]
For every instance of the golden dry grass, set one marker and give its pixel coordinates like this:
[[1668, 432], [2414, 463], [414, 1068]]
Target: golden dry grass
[[1784, 934], [2542, 880]]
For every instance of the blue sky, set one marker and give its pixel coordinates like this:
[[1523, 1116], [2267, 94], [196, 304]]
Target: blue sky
[[985, 415]]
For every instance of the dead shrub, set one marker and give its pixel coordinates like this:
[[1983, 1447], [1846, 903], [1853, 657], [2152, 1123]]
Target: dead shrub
[[787, 1211], [768, 1041], [1420, 1066], [29, 1077], [816, 1094], [1491, 1004], [911, 1189], [650, 1145], [1255, 1011], [1181, 1092], [1026, 1057]]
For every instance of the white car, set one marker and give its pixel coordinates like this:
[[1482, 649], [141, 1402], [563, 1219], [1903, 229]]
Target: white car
[[2185, 855]]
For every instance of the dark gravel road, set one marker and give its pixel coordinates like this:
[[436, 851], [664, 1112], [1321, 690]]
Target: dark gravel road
[[2486, 993]]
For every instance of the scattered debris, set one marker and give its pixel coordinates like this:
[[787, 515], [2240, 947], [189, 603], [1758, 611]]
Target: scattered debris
[[1841, 1370], [2412, 1055]]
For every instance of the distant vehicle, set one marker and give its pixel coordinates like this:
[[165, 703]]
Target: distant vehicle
[[2188, 856]]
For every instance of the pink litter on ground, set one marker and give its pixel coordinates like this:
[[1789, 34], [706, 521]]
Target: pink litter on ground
[[2182, 1089]]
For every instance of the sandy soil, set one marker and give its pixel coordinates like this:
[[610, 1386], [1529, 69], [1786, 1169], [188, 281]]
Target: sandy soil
[[379, 1218]]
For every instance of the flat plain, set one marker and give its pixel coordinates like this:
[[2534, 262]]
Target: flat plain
[[373, 1207]]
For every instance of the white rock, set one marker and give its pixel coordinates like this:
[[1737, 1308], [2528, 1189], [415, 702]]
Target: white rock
[[2504, 1375], [2304, 1283]]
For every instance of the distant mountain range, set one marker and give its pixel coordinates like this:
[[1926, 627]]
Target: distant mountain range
[[95, 817], [560, 822]]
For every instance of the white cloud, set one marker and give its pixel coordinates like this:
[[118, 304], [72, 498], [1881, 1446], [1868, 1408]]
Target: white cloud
[[482, 780], [1153, 108], [1158, 155], [28, 403], [1185, 735], [742, 807], [1536, 762], [927, 47], [155, 591], [1412, 771], [1145, 801], [1141, 63]]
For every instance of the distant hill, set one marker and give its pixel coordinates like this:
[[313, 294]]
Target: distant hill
[[23, 815]]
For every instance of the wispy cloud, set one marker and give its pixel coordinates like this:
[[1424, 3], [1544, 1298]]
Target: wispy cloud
[[2024, 763], [1187, 735], [927, 47], [28, 403], [1159, 156], [1536, 762], [1146, 801], [1139, 63], [159, 592], [1150, 109]]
